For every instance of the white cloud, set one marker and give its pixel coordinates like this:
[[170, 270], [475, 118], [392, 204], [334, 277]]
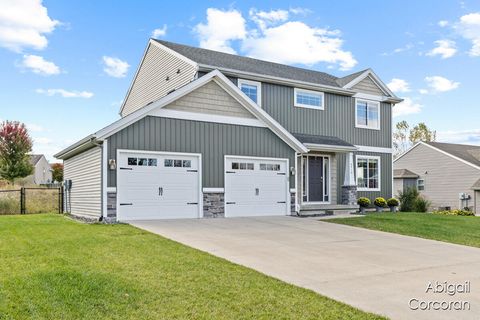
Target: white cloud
[[439, 84], [23, 24], [406, 107], [464, 136], [300, 11], [407, 47], [39, 65], [160, 32], [264, 18], [35, 127], [42, 140], [443, 23], [469, 28], [221, 28], [115, 67], [399, 85], [445, 49], [65, 93]]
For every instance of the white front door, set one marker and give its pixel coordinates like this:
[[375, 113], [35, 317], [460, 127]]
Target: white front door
[[157, 185], [256, 187]]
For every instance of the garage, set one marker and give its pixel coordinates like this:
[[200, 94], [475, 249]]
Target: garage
[[157, 185], [256, 187]]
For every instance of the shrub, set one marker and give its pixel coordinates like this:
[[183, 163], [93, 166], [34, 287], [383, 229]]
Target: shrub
[[380, 202], [455, 212], [421, 204], [407, 199], [363, 202], [392, 202]]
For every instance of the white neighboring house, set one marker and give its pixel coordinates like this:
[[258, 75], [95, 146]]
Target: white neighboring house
[[42, 172], [447, 174]]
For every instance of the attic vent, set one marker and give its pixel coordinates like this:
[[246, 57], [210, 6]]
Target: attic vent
[[178, 71]]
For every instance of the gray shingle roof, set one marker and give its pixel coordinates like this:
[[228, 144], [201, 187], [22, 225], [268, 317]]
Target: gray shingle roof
[[317, 139], [245, 64], [404, 173], [343, 81], [465, 152]]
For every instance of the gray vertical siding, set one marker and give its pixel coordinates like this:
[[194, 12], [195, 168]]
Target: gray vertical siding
[[212, 140]]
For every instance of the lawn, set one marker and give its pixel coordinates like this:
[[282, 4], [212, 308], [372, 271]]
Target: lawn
[[52, 267], [454, 229]]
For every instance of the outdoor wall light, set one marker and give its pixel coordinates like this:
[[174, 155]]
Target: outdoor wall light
[[292, 171], [112, 164]]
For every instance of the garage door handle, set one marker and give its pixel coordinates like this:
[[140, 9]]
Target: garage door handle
[[257, 191], [230, 172], [192, 202], [231, 203], [281, 201], [282, 174], [192, 170], [160, 191], [121, 168], [126, 204]]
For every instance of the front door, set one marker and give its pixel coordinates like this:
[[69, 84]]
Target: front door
[[315, 179]]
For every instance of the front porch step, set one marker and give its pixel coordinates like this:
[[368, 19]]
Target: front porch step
[[319, 210]]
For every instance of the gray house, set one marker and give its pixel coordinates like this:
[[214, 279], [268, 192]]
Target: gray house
[[42, 172], [447, 174], [204, 133]]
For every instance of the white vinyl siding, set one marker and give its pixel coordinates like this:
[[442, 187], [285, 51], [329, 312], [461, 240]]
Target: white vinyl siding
[[309, 99], [85, 171], [367, 114], [252, 89]]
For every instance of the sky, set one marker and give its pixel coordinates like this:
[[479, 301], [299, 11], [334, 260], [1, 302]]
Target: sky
[[65, 66]]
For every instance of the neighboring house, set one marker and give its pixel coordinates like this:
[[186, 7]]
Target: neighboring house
[[42, 172], [447, 174], [204, 133]]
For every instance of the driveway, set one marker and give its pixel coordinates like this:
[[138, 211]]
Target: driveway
[[374, 271]]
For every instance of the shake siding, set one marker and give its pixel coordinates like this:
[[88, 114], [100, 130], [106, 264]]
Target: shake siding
[[367, 85], [446, 177], [85, 171], [151, 84], [212, 140]]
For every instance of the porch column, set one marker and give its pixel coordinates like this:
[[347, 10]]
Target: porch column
[[349, 187]]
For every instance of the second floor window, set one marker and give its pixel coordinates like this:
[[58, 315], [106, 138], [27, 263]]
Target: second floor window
[[252, 89], [308, 99], [367, 114]]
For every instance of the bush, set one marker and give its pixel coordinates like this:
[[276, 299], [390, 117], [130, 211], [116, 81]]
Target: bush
[[380, 202], [407, 199], [363, 202], [392, 202], [455, 212], [421, 204]]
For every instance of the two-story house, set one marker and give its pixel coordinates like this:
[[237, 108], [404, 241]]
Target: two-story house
[[204, 133]]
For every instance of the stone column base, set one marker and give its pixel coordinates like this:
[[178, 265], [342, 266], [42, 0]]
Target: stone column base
[[213, 205], [349, 195]]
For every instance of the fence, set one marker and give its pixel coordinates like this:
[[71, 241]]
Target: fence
[[31, 200]]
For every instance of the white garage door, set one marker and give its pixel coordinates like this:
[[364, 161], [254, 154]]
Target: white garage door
[[157, 186], [256, 187]]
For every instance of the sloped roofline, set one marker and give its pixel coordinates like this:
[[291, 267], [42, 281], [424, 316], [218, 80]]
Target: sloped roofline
[[216, 76]]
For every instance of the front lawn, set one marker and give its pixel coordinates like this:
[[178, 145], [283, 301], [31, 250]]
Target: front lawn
[[54, 268], [454, 229]]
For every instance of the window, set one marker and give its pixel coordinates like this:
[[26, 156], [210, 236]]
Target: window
[[420, 184], [168, 163], [367, 114], [308, 99], [152, 162], [242, 166], [269, 167], [368, 173], [252, 89], [177, 163], [132, 161], [142, 162]]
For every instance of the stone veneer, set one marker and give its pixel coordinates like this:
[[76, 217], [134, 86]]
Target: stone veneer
[[111, 204], [293, 208], [213, 205], [349, 195]]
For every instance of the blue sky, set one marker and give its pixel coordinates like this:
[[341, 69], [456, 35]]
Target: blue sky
[[65, 66]]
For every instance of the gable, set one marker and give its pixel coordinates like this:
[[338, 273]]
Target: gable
[[160, 72], [369, 86], [210, 99]]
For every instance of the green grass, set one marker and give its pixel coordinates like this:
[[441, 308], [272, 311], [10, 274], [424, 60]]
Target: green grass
[[52, 267], [454, 229]]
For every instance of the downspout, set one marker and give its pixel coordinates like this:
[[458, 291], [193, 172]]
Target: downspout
[[94, 141]]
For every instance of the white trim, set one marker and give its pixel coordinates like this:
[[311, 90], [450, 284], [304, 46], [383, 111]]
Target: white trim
[[199, 155], [176, 114], [370, 97], [301, 105], [293, 190], [257, 84], [328, 147], [213, 190], [287, 176], [307, 174], [111, 189], [418, 184], [356, 114], [361, 156], [104, 178], [369, 72], [374, 149]]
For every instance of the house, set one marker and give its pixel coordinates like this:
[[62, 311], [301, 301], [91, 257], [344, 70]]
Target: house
[[447, 174], [204, 133], [42, 173]]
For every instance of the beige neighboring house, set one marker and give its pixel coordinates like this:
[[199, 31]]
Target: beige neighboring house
[[447, 174], [42, 172]]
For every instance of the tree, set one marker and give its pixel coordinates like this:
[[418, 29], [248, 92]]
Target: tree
[[422, 133], [15, 144], [57, 172], [400, 138]]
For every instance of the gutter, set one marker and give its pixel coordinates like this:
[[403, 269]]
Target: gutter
[[85, 143]]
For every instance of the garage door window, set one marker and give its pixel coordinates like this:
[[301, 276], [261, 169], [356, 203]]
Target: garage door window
[[242, 166], [152, 162], [132, 161], [142, 161], [177, 163], [269, 167]]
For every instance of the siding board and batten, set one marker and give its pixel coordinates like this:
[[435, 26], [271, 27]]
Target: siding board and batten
[[85, 171]]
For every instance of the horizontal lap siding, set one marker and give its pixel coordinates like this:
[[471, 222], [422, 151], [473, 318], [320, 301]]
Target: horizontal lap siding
[[212, 140], [85, 171]]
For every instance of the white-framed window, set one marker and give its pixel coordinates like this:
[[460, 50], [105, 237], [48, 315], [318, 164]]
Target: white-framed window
[[368, 173], [421, 184], [367, 114], [309, 99], [253, 89]]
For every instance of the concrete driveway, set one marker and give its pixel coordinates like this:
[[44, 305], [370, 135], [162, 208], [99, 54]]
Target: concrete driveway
[[374, 271]]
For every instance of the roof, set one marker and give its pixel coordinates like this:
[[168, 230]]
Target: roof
[[323, 140], [34, 158], [347, 79], [404, 173], [246, 64], [469, 153], [476, 185]]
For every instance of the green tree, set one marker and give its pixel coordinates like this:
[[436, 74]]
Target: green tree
[[400, 138], [15, 144], [422, 133], [57, 172]]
